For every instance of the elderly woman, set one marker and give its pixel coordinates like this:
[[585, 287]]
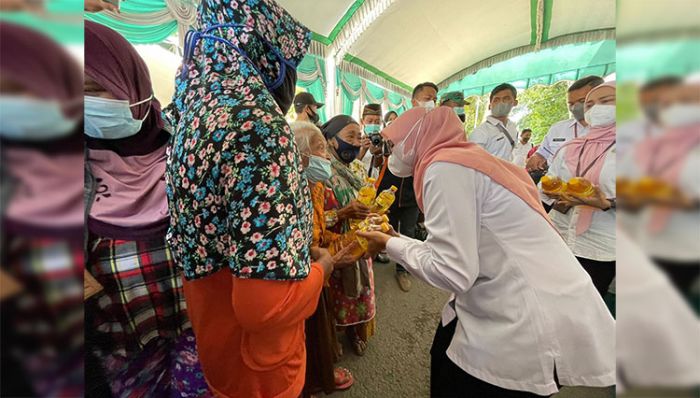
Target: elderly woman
[[321, 341], [587, 224], [508, 329], [353, 287], [140, 317], [241, 219]]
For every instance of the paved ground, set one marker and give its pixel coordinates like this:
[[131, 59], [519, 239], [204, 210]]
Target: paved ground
[[396, 364]]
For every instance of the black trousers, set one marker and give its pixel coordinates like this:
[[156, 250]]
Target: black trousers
[[683, 275], [404, 220], [602, 273], [448, 380]]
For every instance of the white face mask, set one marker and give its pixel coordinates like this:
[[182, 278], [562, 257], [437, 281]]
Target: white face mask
[[427, 104], [402, 160], [398, 168], [600, 115], [678, 115]]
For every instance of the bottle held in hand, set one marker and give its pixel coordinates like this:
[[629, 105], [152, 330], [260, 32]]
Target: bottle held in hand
[[580, 187], [384, 200], [553, 185]]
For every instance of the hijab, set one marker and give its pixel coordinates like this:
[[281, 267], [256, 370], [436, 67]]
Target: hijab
[[437, 136], [232, 92], [115, 65], [589, 151]]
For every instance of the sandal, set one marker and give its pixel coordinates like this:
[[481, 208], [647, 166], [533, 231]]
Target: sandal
[[343, 379], [358, 345]]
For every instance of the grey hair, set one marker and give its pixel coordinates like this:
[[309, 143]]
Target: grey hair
[[304, 132]]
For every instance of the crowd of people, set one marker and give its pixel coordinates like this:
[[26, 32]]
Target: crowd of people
[[222, 254]]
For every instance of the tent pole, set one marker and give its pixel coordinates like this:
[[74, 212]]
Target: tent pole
[[476, 114], [331, 90]]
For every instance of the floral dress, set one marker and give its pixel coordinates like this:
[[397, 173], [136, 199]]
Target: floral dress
[[237, 199], [352, 287]]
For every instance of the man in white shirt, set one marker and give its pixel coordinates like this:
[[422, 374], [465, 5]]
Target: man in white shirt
[[498, 133], [566, 130], [371, 150], [650, 98], [522, 148]]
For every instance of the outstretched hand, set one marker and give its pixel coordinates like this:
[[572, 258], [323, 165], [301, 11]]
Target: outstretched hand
[[597, 200], [376, 241]]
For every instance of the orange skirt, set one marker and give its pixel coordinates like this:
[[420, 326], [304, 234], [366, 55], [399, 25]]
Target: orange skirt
[[250, 333]]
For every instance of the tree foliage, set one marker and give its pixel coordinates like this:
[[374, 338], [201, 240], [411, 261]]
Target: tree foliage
[[544, 105]]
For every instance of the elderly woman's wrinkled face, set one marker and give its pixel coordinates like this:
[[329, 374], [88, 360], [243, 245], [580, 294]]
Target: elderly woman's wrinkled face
[[603, 96], [319, 148], [352, 134]]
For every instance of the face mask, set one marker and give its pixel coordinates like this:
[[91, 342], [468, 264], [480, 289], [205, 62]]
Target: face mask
[[346, 151], [577, 110], [501, 109], [23, 118], [459, 111], [313, 117], [110, 119], [372, 129], [398, 167], [652, 113], [427, 104], [678, 115], [388, 123], [600, 115], [401, 162], [319, 169]]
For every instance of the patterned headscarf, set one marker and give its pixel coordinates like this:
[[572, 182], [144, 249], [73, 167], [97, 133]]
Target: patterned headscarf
[[236, 193]]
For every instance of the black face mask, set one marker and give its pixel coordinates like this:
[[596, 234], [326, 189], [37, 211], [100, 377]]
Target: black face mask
[[463, 118], [313, 117], [284, 94]]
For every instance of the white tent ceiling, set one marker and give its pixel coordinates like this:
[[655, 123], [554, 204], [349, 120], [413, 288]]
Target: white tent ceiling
[[431, 40]]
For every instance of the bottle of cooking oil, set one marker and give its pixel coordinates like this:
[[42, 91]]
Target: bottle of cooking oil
[[552, 185], [653, 188], [384, 200], [581, 187], [367, 193]]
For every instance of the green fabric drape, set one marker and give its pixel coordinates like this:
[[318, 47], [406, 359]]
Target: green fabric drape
[[373, 93], [350, 85], [137, 34]]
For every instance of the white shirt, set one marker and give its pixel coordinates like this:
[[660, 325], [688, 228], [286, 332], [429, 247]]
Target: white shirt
[[520, 153], [523, 302], [657, 332], [492, 138], [598, 242], [632, 132], [367, 161], [558, 135], [678, 241]]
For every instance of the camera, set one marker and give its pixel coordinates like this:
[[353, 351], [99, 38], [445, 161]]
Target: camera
[[376, 139]]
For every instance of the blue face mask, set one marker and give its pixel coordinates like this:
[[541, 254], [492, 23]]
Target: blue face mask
[[319, 169], [28, 119], [372, 129], [110, 119], [346, 151]]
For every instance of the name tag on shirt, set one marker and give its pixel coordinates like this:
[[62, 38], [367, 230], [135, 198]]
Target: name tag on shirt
[[561, 139]]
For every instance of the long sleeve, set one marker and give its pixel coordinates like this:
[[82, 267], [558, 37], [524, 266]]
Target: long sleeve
[[265, 304], [449, 258]]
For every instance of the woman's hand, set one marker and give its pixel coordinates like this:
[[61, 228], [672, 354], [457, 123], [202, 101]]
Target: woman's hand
[[324, 259], [376, 241], [354, 210], [345, 257], [597, 200]]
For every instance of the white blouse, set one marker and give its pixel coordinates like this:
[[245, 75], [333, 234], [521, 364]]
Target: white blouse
[[598, 242], [524, 304]]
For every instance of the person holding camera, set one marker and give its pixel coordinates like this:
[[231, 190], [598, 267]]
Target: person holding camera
[[372, 143]]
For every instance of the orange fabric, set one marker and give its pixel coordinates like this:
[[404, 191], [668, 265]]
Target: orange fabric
[[322, 236], [381, 172], [250, 332]]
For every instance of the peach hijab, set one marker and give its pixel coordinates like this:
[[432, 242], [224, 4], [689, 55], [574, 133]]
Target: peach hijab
[[427, 136]]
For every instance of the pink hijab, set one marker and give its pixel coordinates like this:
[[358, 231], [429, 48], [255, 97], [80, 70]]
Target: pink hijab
[[668, 152], [440, 138], [585, 151]]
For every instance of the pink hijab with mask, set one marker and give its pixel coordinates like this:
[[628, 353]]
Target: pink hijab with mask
[[586, 156], [437, 136]]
